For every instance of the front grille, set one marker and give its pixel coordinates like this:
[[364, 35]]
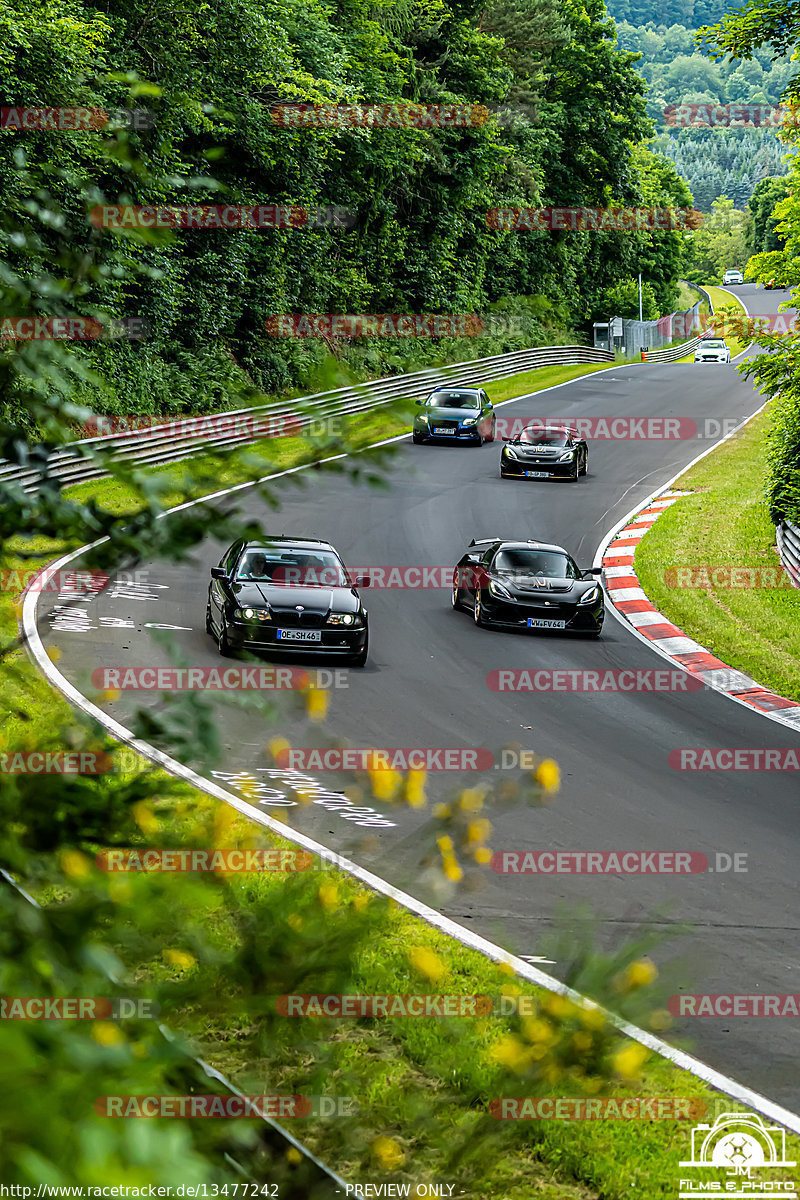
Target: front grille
[[450, 426], [289, 618]]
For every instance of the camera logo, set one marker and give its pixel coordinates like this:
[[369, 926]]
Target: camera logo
[[741, 1142]]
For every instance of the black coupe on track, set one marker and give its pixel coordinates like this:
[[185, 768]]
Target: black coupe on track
[[527, 586], [287, 594], [541, 451]]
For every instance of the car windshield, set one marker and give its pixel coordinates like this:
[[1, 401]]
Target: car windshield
[[537, 437], [287, 568], [453, 400], [547, 563], [713, 345]]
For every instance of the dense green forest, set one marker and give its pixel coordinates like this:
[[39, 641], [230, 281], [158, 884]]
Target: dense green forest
[[715, 162], [418, 240]]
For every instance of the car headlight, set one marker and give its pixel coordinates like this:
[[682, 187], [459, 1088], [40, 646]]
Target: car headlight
[[470, 421], [498, 590], [590, 596], [508, 450], [422, 417], [350, 619], [250, 614], [566, 456]]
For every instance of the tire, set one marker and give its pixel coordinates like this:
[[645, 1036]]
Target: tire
[[417, 439], [360, 660], [477, 611], [573, 475], [223, 645], [493, 434], [585, 461], [454, 600], [209, 626]]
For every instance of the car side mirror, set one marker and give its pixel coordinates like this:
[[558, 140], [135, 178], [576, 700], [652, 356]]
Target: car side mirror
[[506, 439], [218, 573], [362, 581], [593, 571], [419, 402]]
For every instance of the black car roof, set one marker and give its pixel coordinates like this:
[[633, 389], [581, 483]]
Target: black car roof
[[499, 543], [455, 387], [283, 539]]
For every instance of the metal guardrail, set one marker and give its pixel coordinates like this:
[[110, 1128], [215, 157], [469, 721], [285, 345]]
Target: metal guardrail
[[788, 539], [181, 437], [319, 1182], [674, 351], [704, 294]]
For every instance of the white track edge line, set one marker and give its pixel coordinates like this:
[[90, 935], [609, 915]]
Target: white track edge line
[[679, 1058]]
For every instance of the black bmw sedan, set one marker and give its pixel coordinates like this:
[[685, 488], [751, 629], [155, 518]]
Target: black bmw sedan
[[287, 594], [541, 451], [527, 586]]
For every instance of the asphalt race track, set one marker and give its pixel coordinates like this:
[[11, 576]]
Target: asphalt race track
[[425, 685]]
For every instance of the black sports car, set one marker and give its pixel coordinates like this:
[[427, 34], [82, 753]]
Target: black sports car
[[527, 585], [457, 413], [287, 594], [541, 451]]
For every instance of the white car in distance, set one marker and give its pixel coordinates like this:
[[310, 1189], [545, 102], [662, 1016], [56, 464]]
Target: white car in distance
[[732, 276], [712, 350]]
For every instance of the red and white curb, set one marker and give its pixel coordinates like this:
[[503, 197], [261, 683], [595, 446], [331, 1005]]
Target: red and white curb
[[630, 600]]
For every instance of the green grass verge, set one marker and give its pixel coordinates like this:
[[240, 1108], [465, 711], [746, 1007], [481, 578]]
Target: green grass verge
[[383, 1063], [725, 523]]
